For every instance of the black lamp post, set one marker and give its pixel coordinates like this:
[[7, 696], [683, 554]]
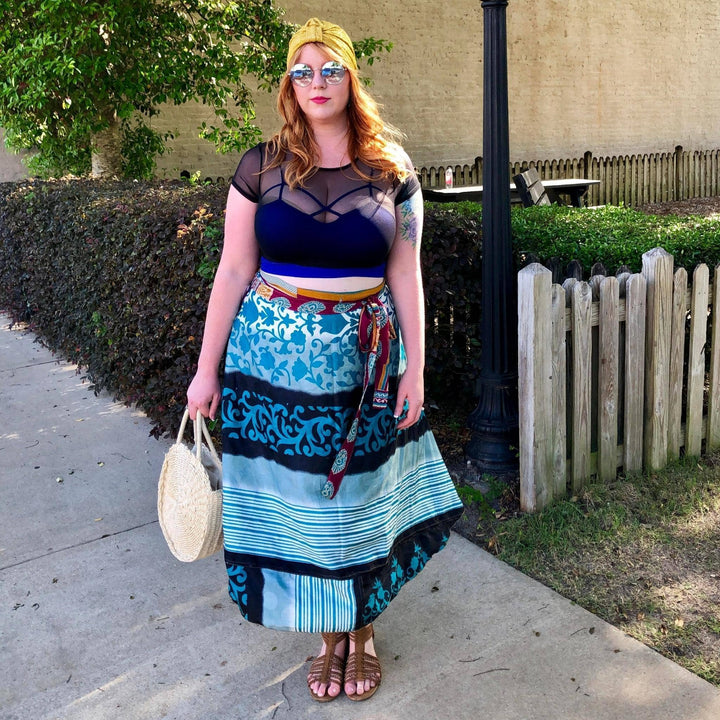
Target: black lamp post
[[494, 422]]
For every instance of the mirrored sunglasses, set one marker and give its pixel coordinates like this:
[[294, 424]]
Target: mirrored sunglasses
[[332, 72]]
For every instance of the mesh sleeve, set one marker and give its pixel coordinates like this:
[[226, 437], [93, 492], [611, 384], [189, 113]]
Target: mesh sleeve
[[246, 179], [409, 186]]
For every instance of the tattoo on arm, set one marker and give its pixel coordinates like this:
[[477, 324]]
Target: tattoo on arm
[[410, 221]]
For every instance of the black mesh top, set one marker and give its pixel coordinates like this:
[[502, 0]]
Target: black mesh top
[[337, 225]]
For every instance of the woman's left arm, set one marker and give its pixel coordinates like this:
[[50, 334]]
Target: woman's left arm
[[405, 281]]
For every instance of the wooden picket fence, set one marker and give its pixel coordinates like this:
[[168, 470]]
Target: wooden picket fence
[[614, 373], [632, 180]]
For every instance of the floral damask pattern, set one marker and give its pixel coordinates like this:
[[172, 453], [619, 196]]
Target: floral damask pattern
[[237, 586], [291, 347], [308, 431], [382, 594]]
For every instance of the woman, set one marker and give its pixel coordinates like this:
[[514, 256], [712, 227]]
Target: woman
[[335, 493]]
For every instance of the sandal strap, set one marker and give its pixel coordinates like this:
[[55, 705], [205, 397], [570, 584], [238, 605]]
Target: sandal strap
[[362, 635], [328, 667], [360, 665], [331, 639]]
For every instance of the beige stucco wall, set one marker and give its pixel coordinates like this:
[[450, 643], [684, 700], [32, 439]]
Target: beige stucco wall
[[617, 77]]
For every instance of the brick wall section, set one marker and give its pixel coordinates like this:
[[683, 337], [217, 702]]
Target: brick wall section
[[617, 77]]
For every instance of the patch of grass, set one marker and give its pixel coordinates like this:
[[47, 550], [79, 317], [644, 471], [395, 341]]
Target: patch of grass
[[483, 501], [643, 552]]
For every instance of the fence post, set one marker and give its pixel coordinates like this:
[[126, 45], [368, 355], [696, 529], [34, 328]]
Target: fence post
[[696, 360], [581, 384], [635, 316], [534, 376], [712, 436], [677, 364], [478, 169], [559, 391], [658, 272], [608, 368], [678, 191]]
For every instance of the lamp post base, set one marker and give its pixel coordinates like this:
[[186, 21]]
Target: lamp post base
[[493, 445]]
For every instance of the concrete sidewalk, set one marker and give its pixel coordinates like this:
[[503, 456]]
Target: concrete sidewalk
[[98, 620]]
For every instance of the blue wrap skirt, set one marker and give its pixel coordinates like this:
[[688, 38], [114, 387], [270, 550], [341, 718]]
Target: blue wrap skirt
[[297, 559]]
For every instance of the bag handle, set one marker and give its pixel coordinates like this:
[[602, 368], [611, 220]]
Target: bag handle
[[200, 430]]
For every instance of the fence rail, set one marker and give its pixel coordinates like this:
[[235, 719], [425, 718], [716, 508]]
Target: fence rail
[[632, 180], [615, 373]]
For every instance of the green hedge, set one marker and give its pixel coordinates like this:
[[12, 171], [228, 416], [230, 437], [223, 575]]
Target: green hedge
[[614, 236], [115, 276], [106, 273]]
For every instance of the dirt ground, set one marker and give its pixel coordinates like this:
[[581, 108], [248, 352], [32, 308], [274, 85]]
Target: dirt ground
[[708, 207]]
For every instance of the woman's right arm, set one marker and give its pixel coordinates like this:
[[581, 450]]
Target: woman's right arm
[[238, 264]]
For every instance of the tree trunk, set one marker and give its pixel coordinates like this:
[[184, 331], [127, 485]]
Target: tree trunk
[[106, 155]]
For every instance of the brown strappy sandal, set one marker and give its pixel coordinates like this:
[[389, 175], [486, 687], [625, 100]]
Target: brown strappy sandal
[[328, 668], [362, 666]]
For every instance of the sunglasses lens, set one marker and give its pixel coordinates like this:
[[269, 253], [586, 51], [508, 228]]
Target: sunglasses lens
[[301, 75], [333, 72]]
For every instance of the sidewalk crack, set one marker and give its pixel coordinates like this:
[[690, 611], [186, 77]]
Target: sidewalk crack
[[77, 545]]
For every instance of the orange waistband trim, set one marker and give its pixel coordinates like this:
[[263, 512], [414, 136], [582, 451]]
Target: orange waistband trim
[[323, 295]]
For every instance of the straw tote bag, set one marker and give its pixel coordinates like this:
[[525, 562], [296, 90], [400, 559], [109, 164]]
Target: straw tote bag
[[190, 495]]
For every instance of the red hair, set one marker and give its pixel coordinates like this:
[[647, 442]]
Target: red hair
[[370, 140]]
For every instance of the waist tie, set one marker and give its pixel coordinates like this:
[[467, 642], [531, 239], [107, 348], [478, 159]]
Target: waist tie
[[374, 334]]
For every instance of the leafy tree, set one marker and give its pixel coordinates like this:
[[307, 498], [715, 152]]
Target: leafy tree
[[80, 79]]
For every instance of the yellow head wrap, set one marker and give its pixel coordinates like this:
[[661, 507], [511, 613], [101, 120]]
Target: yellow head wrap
[[319, 31]]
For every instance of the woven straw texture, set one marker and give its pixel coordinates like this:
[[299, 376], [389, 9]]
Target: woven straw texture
[[190, 501]]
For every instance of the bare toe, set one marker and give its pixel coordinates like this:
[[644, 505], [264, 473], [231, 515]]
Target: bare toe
[[326, 671]]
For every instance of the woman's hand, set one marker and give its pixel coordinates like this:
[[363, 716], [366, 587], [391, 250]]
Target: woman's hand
[[411, 391], [204, 394]]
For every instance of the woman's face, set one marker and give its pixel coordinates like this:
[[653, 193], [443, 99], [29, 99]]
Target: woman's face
[[323, 104]]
